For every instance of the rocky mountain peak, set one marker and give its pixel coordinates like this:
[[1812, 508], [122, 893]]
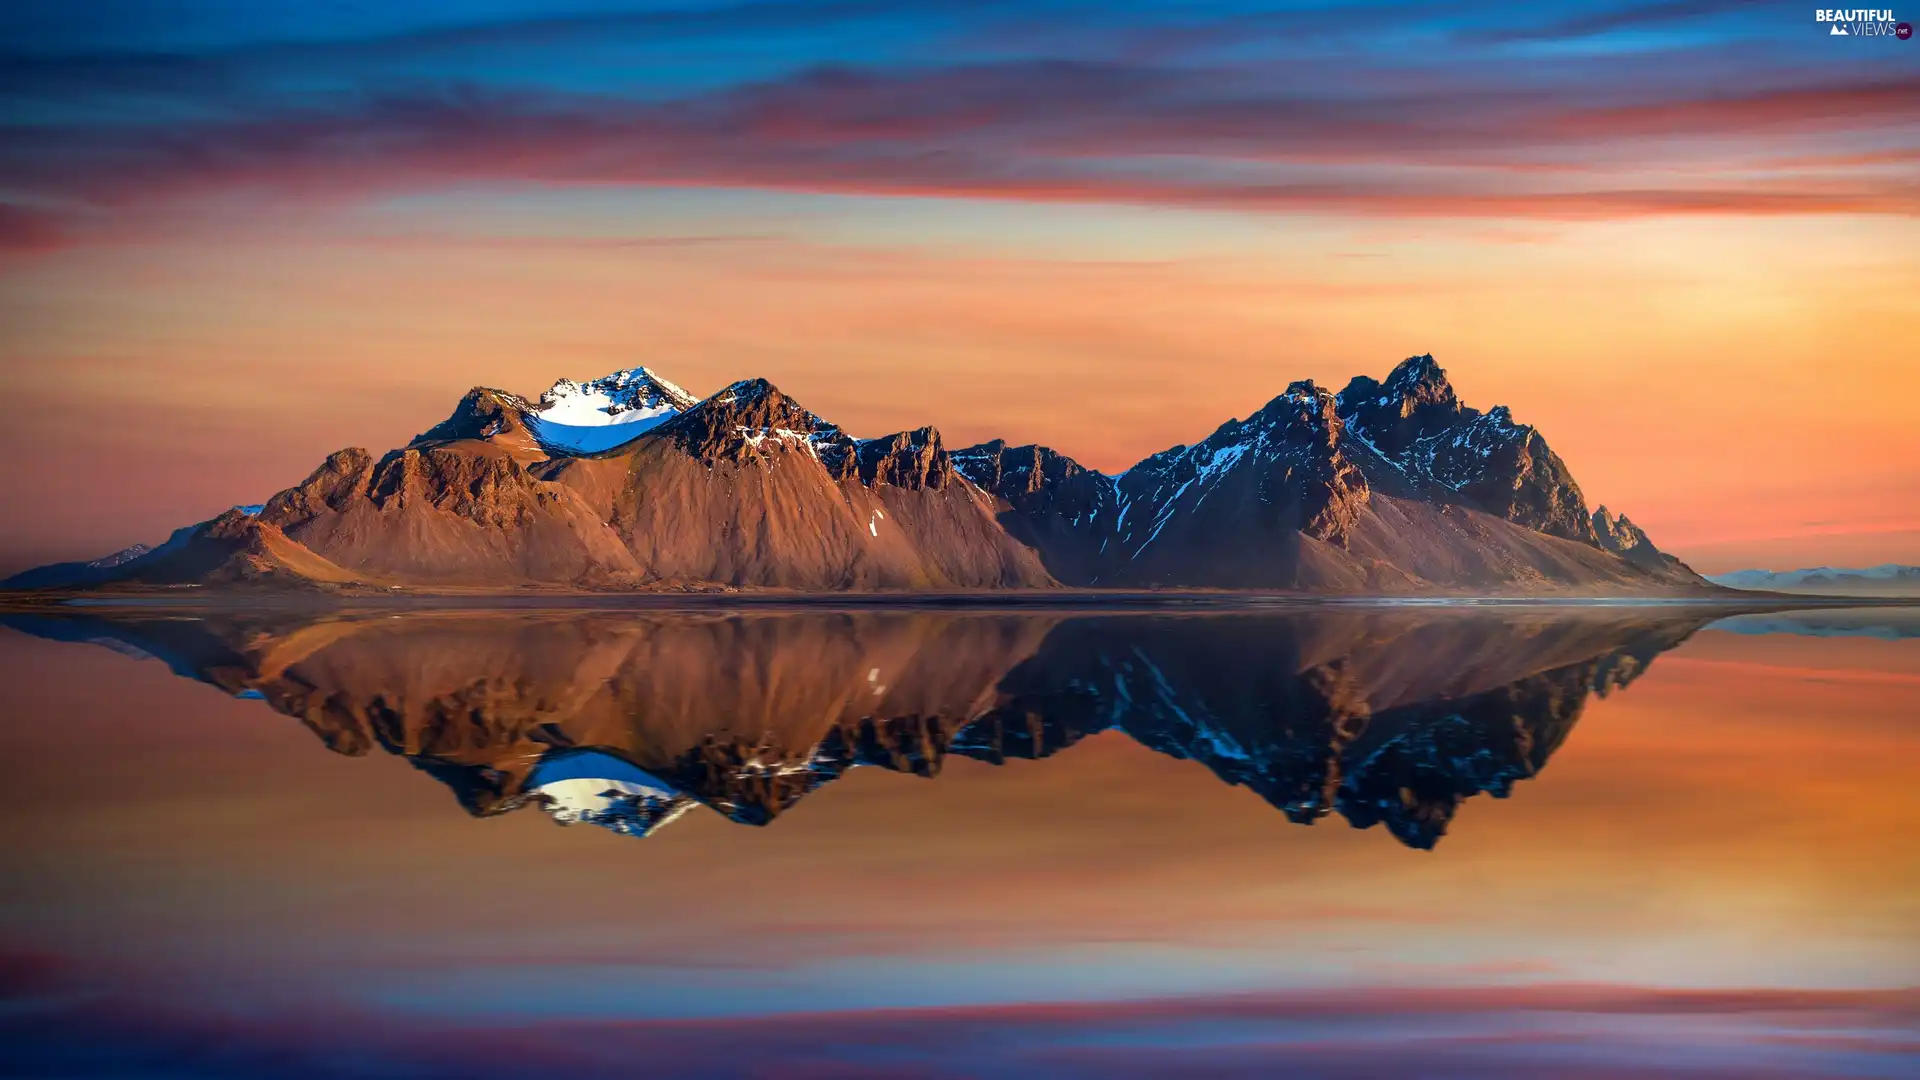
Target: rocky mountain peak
[[327, 489], [1415, 402], [485, 414], [600, 414], [908, 459], [993, 463], [620, 392], [1011, 471], [746, 391], [1621, 536], [1283, 467], [571, 418], [749, 418], [1311, 410], [1618, 534], [1418, 379], [1421, 433]]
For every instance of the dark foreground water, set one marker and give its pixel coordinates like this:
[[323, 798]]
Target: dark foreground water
[[1624, 842]]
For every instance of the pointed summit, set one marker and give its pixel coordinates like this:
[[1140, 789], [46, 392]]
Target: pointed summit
[[749, 418], [1621, 536], [1430, 439], [1223, 500], [1420, 377], [1307, 406], [486, 415], [1415, 401], [570, 419], [623, 391]]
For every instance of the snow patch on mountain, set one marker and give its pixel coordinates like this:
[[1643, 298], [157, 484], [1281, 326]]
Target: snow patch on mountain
[[805, 440], [600, 414]]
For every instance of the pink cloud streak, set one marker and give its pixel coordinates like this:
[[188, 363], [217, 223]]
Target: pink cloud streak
[[1032, 133]]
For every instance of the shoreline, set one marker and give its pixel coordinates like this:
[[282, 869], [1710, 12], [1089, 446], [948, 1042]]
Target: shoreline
[[1036, 600]]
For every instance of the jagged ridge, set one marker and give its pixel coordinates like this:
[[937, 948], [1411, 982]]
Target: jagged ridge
[[1390, 486], [628, 482]]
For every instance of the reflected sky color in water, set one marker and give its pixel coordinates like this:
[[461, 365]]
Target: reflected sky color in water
[[1709, 871]]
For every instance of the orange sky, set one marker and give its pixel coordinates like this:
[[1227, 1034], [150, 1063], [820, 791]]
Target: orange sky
[[1745, 388]]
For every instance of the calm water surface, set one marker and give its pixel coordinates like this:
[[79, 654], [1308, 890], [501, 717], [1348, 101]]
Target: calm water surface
[[1524, 842]]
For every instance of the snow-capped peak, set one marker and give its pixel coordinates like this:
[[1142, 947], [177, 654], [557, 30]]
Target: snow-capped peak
[[600, 414], [625, 391], [1815, 575]]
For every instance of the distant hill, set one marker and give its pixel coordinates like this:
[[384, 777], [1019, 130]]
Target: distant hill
[[628, 482], [1887, 579]]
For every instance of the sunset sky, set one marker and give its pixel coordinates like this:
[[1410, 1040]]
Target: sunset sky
[[1681, 238]]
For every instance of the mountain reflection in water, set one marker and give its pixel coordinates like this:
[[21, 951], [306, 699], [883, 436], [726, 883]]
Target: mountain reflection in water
[[627, 721]]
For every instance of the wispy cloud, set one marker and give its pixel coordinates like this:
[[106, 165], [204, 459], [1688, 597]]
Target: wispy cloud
[[1335, 108], [1033, 131], [372, 51], [1608, 18]]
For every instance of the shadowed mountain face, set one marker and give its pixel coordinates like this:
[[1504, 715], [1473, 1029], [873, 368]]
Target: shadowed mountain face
[[627, 720], [1383, 488]]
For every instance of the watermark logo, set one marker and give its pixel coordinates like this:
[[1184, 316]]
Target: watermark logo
[[1862, 22]]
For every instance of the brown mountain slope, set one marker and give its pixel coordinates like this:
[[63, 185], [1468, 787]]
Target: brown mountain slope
[[238, 549], [1396, 545], [464, 512], [748, 488]]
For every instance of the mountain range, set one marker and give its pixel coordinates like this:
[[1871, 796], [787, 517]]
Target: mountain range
[[1390, 717], [1887, 579], [628, 482]]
